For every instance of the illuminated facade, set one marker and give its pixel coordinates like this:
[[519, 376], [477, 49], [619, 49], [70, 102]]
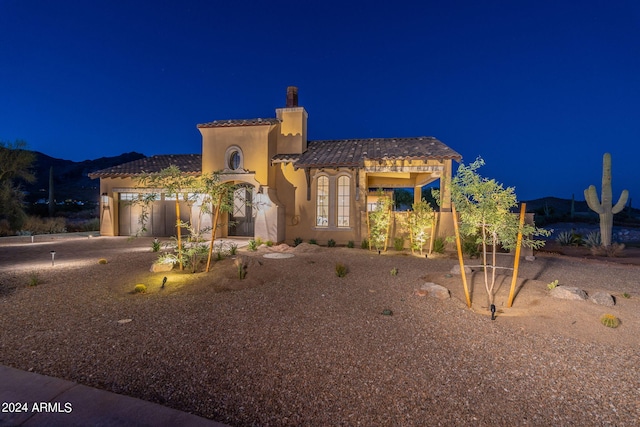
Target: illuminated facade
[[288, 187]]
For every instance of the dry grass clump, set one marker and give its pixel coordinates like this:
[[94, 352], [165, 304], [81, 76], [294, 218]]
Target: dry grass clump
[[614, 250]]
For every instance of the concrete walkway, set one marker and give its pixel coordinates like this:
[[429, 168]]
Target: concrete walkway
[[30, 399]]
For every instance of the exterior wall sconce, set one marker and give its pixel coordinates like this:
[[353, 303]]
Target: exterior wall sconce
[[105, 200]]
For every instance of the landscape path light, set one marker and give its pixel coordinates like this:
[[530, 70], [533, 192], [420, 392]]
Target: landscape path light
[[53, 257]]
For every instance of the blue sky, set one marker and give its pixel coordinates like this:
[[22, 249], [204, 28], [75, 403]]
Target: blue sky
[[539, 89]]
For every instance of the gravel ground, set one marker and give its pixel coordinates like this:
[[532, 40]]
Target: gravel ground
[[292, 344]]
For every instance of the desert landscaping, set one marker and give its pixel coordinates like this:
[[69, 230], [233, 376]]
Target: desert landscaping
[[294, 344]]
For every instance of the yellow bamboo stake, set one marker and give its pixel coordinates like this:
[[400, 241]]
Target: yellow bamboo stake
[[516, 262], [460, 259]]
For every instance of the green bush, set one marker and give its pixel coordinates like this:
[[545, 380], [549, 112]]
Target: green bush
[[398, 243], [438, 245], [331, 243], [102, 261], [253, 245], [34, 279], [341, 270], [364, 244], [350, 244], [297, 241], [313, 242]]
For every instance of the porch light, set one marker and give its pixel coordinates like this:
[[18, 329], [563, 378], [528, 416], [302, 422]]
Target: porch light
[[105, 200]]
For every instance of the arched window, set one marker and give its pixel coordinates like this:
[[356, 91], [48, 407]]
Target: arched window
[[344, 185], [234, 159], [322, 202]]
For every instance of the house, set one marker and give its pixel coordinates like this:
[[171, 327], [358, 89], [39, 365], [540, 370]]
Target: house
[[288, 187]]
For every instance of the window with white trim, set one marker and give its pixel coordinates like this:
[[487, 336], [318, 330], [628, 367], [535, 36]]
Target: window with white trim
[[344, 184], [322, 202]]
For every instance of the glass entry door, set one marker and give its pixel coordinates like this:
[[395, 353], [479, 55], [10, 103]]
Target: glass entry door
[[241, 219]]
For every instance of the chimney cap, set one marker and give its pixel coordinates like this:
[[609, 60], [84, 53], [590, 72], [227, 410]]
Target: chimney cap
[[292, 96]]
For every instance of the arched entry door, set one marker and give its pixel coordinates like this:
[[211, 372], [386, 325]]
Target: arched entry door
[[241, 219]]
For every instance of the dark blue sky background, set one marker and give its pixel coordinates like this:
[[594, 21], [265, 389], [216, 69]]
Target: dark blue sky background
[[539, 89]]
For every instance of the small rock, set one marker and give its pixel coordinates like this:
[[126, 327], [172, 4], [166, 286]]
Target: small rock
[[434, 290], [123, 321], [530, 258], [568, 292], [456, 269], [603, 298]]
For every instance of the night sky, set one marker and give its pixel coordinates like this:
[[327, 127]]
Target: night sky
[[539, 89]]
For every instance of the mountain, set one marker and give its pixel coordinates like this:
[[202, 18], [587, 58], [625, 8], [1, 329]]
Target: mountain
[[70, 179]]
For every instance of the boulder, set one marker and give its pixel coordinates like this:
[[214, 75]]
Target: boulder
[[603, 298], [568, 292], [456, 269], [158, 267], [433, 290]]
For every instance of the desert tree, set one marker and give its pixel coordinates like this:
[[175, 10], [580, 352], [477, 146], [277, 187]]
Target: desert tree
[[15, 167], [218, 199], [173, 183], [485, 210]]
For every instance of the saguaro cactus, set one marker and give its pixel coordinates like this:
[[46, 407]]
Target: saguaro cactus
[[604, 208]]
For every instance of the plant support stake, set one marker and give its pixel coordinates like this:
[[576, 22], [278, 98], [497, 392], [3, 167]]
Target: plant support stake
[[460, 259], [516, 261]]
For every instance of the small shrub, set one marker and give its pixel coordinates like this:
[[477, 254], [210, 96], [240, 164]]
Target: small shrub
[[313, 242], [102, 261], [253, 245], [350, 244], [269, 243], [398, 243], [233, 249], [438, 245], [34, 279], [364, 244], [139, 289], [297, 241], [242, 268], [553, 285], [614, 250], [259, 241], [470, 246], [626, 295], [341, 270], [610, 321], [331, 243], [155, 245], [394, 271], [569, 238], [593, 239]]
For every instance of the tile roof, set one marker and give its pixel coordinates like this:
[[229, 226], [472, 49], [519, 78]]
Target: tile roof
[[353, 152], [188, 163], [240, 122]]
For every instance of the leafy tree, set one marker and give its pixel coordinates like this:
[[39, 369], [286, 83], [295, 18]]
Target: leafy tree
[[421, 220], [15, 166], [485, 209], [379, 223], [174, 183], [218, 199]]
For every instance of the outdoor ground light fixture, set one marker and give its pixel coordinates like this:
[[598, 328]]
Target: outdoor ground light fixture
[[53, 257]]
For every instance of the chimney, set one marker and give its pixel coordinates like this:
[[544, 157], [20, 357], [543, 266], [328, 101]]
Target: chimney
[[292, 96]]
